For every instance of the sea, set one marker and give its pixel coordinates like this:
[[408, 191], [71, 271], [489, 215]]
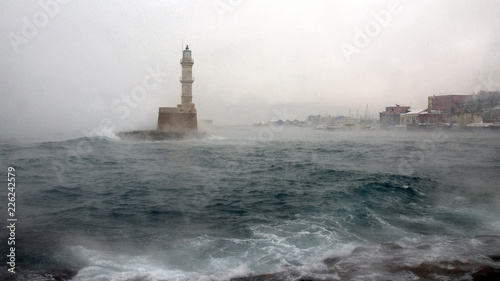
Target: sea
[[254, 203]]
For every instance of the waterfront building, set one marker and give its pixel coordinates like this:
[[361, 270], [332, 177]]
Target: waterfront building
[[411, 117], [392, 113]]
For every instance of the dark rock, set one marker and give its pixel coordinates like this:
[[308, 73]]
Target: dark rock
[[280, 276], [314, 279], [494, 258], [65, 274], [486, 273], [443, 268], [263, 277], [359, 249], [8, 276], [455, 263], [489, 239], [391, 246], [331, 261], [54, 275], [424, 247]]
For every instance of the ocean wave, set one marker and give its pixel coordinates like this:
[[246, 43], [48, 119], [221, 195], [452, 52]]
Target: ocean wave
[[406, 259], [215, 209]]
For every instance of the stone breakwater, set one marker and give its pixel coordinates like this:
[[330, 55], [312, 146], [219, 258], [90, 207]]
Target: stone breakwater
[[153, 135]]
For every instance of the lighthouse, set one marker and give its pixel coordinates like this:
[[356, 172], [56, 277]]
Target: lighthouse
[[187, 79], [183, 118]]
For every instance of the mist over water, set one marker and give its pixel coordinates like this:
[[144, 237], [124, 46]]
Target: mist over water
[[68, 65], [255, 200]]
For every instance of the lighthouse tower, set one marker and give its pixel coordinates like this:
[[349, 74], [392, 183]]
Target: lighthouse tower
[[183, 118], [187, 79]]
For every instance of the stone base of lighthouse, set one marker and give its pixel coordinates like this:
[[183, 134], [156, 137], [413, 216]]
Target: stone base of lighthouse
[[177, 119]]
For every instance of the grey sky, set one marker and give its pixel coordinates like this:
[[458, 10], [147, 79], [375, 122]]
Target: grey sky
[[254, 60]]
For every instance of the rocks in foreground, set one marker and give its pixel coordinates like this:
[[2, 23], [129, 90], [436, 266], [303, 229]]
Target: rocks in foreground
[[280, 276], [425, 271], [59, 274], [342, 268], [486, 273]]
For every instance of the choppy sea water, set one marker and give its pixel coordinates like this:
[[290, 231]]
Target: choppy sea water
[[245, 201]]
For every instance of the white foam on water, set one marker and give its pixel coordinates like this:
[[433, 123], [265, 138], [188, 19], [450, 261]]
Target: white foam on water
[[298, 246], [103, 266], [270, 253], [110, 134], [214, 138]]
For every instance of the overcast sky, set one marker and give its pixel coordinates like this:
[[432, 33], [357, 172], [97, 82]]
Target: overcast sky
[[69, 65]]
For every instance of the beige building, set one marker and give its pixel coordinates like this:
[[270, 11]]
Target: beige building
[[465, 118]]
